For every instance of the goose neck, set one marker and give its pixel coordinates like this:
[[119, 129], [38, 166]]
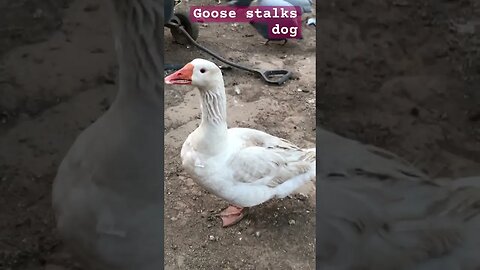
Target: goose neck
[[213, 106], [139, 47]]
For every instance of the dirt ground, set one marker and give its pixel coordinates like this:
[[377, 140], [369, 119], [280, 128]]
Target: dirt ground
[[404, 75], [400, 74]]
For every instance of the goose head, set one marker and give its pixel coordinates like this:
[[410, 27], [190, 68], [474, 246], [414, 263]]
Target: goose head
[[200, 73]]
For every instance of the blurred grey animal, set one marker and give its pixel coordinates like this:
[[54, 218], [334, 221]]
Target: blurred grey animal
[[108, 192], [261, 27], [376, 211]]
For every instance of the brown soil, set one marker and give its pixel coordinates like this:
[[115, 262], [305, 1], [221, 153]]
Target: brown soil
[[403, 75]]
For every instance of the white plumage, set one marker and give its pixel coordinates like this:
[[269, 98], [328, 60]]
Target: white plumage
[[252, 168], [246, 167]]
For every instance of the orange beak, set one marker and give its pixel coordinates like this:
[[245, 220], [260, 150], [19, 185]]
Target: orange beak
[[182, 76]]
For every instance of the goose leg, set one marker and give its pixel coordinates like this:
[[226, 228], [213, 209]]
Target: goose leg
[[232, 215]]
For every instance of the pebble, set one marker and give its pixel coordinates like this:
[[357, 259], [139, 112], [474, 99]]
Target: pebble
[[257, 234], [312, 22], [291, 222], [213, 238]]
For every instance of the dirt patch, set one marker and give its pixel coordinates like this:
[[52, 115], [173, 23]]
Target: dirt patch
[[404, 76]]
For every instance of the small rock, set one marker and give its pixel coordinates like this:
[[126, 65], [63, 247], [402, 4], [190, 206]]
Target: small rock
[[211, 238], [302, 90], [237, 90], [257, 234], [291, 222], [302, 197], [312, 22]]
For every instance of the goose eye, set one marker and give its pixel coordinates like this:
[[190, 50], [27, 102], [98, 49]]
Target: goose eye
[[202, 70]]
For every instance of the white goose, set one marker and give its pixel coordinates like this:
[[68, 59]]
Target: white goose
[[245, 167], [108, 192]]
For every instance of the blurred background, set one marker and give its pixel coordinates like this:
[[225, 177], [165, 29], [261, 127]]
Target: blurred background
[[405, 76]]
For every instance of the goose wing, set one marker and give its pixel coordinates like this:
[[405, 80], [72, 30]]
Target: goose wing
[[268, 160]]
